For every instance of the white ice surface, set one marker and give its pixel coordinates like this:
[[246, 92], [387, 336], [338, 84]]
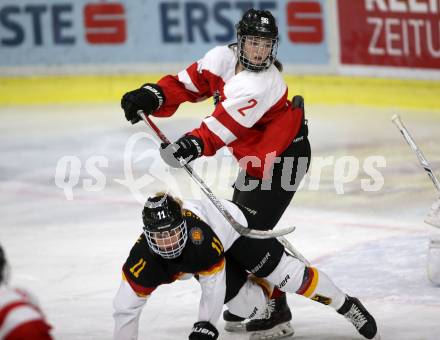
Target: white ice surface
[[70, 252]]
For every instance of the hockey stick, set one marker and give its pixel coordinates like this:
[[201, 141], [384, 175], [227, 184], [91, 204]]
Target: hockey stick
[[242, 230], [295, 253], [422, 160]]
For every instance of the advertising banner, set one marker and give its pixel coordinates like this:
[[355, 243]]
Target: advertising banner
[[402, 33], [59, 32]]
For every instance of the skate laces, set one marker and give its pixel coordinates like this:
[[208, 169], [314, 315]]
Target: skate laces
[[356, 317], [270, 308]]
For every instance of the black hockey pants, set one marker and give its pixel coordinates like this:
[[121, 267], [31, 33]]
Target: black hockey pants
[[263, 209], [265, 204]]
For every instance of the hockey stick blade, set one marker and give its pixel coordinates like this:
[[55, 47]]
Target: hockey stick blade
[[422, 160], [242, 230], [295, 253]]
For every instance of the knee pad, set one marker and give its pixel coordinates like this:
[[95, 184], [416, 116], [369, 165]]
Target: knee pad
[[288, 274], [250, 301]]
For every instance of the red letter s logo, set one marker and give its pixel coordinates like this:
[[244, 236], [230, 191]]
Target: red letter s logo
[[105, 23], [305, 23]]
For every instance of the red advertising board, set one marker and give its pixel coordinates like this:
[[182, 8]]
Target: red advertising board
[[105, 23], [402, 33], [305, 22]]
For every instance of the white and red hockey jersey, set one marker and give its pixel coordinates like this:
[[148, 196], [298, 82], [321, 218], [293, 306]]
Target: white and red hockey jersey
[[253, 117], [20, 318]]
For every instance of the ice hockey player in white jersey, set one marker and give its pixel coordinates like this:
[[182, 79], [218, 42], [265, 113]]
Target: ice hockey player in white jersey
[[253, 117], [20, 316], [192, 237]]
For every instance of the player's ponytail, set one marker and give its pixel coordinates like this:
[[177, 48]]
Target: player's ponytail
[[278, 65]]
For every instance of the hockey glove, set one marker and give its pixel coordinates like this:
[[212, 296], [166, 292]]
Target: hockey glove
[[148, 98], [187, 147], [298, 102], [203, 330]]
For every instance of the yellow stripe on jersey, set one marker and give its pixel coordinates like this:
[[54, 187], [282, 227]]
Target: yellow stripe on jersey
[[216, 240], [218, 267], [313, 284], [217, 245], [142, 295]]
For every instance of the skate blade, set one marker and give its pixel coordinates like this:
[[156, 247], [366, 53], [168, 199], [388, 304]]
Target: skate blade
[[281, 331], [235, 327]]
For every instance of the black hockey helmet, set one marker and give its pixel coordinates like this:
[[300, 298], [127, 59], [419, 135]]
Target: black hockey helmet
[[259, 23], [261, 27], [164, 226]]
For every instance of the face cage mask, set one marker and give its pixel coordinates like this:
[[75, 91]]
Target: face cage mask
[[259, 43], [176, 248]]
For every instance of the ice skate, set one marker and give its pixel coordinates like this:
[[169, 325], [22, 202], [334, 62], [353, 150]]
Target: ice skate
[[274, 324], [234, 323], [357, 314]]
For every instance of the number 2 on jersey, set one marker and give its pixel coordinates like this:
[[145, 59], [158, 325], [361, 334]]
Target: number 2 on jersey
[[253, 102]]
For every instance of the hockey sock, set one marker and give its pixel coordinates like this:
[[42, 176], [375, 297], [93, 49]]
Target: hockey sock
[[319, 287], [276, 293]]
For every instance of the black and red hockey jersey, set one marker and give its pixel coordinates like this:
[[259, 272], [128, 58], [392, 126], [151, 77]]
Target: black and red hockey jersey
[[203, 255]]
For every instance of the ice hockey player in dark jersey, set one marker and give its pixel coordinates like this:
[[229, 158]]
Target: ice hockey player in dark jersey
[[20, 316], [252, 117], [191, 238]]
